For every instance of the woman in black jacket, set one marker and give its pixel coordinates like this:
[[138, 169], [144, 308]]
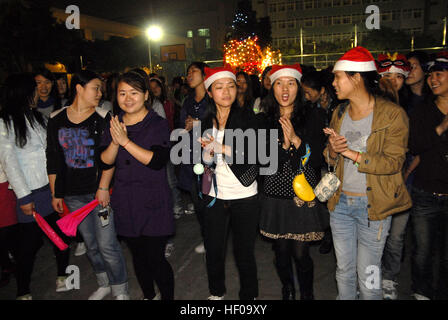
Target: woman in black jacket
[[232, 201]]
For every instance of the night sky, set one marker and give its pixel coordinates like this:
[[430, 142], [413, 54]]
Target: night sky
[[138, 12]]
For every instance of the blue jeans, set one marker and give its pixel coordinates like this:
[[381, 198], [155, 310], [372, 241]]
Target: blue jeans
[[172, 182], [358, 245], [429, 221], [393, 250], [103, 249]]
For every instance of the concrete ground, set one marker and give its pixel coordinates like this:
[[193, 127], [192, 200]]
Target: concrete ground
[[190, 272]]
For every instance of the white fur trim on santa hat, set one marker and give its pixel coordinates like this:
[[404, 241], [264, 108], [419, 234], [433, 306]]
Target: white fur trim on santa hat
[[285, 72], [218, 75], [394, 69], [355, 66]]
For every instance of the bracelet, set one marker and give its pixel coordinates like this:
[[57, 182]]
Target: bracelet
[[124, 146], [356, 160], [104, 189]]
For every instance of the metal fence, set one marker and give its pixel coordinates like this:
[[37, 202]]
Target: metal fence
[[324, 60]]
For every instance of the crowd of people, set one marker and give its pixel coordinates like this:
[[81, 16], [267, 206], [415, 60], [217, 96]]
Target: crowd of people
[[379, 124]]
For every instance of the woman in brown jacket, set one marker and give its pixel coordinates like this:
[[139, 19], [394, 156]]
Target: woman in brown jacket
[[368, 137]]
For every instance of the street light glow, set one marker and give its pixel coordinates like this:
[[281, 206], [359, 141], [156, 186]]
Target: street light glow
[[154, 33]]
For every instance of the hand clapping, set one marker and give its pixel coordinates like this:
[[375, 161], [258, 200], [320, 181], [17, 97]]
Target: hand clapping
[[118, 132], [288, 132]]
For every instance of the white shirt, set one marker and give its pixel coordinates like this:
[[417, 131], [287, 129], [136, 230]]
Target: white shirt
[[229, 187]]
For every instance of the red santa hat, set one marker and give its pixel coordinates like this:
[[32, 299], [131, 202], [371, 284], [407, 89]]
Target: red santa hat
[[278, 71], [358, 59], [396, 63], [213, 74]]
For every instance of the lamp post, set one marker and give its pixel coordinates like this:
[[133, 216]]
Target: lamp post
[[153, 33]]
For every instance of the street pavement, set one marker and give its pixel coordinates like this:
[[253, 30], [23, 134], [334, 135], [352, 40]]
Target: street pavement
[[190, 271]]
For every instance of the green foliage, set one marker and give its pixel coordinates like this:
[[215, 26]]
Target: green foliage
[[387, 39]]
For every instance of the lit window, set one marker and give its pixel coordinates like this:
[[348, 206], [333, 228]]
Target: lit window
[[207, 43], [204, 32], [190, 34]]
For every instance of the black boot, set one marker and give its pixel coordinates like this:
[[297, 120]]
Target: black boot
[[283, 265], [306, 283]]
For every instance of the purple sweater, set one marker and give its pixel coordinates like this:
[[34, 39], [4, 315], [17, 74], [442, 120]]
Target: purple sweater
[[141, 198]]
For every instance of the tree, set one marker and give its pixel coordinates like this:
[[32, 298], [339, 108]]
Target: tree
[[245, 25], [30, 36], [388, 39]]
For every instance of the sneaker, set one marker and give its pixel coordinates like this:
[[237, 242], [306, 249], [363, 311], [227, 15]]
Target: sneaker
[[123, 297], [212, 297], [200, 248], [169, 249], [420, 297], [190, 209], [100, 293], [25, 297], [158, 296], [389, 290], [80, 249], [61, 286]]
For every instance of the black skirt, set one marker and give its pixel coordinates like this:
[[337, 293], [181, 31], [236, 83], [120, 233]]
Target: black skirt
[[283, 219]]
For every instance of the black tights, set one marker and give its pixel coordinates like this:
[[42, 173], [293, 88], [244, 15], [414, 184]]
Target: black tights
[[30, 241], [8, 244], [150, 265], [299, 251]]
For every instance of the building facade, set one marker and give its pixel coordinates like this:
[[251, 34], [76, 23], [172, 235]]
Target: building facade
[[334, 20], [205, 23]]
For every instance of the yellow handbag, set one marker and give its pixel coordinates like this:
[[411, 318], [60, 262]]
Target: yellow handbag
[[301, 187]]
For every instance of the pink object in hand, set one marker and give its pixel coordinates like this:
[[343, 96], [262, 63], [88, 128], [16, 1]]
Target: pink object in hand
[[69, 223], [49, 231]]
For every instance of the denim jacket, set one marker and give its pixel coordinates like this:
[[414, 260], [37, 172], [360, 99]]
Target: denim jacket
[[25, 167]]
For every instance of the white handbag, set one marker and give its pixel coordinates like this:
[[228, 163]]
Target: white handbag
[[329, 183]]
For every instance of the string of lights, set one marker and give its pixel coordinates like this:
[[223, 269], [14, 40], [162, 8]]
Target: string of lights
[[246, 55]]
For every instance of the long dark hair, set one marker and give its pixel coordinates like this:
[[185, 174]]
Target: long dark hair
[[163, 95], [299, 114], [423, 59], [17, 99], [54, 94], [265, 73], [63, 76], [82, 78], [111, 91], [138, 82], [248, 95], [317, 80]]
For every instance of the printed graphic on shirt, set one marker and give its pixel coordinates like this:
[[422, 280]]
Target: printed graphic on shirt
[[78, 147], [356, 141]]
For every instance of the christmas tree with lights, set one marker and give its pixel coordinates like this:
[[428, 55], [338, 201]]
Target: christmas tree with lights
[[246, 55], [247, 48]]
